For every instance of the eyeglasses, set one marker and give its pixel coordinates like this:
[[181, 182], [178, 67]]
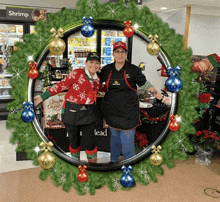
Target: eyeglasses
[[122, 52]]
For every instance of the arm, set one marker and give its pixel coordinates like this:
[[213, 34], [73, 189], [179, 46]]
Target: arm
[[102, 79], [148, 87], [57, 88]]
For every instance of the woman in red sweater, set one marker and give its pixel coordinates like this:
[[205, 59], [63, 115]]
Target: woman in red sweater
[[79, 107]]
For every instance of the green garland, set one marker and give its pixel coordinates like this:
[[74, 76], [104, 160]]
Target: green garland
[[24, 134]]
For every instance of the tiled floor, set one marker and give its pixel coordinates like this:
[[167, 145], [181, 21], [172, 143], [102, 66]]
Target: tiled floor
[[8, 154]]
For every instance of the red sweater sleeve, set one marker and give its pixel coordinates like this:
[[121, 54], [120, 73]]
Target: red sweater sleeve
[[64, 84]]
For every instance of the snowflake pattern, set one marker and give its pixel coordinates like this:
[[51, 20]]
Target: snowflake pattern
[[72, 75], [54, 88], [63, 87], [81, 79], [82, 96], [75, 86], [72, 99]]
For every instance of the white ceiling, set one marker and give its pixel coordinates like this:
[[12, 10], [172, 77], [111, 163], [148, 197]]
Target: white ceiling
[[198, 7]]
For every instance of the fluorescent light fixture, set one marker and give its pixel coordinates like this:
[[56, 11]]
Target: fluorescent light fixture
[[163, 8]]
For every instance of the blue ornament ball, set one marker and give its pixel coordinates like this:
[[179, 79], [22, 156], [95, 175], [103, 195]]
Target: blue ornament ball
[[28, 115], [174, 84], [127, 180], [87, 30]]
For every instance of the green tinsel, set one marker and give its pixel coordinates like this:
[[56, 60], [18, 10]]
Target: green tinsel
[[64, 174]]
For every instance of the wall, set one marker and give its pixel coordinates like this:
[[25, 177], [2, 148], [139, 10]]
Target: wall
[[204, 32], [204, 35]]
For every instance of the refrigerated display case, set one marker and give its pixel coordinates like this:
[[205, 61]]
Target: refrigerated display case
[[78, 48], [10, 33], [108, 38], [32, 29]]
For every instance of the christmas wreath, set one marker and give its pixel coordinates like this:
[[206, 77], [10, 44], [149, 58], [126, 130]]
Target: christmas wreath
[[24, 134]]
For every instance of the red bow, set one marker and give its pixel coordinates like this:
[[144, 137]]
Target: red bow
[[82, 168], [128, 24], [32, 65]]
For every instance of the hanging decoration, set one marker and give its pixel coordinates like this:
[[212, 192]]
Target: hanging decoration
[[174, 125], [173, 83], [33, 72], [153, 119], [87, 29], [46, 159], [128, 30], [28, 114], [127, 180], [57, 45], [153, 47], [82, 175], [156, 159]]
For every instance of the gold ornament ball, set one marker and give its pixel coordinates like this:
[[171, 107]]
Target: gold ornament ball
[[156, 159], [57, 46], [46, 160], [153, 48]]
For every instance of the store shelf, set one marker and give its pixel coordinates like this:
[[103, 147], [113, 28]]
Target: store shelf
[[5, 87], [59, 68], [4, 116], [5, 75], [6, 97]]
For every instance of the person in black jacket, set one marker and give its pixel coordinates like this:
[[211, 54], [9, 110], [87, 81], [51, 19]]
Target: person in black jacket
[[120, 104]]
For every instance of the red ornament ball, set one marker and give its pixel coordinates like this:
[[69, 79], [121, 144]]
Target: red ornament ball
[[174, 125], [33, 73], [128, 31], [82, 176]]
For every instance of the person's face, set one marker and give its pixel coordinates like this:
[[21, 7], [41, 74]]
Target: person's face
[[92, 66], [120, 54]]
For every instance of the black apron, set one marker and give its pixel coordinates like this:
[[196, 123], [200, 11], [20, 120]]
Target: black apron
[[120, 104], [77, 114]]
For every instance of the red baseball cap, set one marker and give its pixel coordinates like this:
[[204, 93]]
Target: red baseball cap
[[119, 44]]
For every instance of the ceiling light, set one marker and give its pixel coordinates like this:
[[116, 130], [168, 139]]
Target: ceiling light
[[163, 8]]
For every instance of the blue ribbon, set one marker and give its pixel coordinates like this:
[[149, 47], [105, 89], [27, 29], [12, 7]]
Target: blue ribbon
[[171, 71], [126, 170], [28, 105], [87, 20]]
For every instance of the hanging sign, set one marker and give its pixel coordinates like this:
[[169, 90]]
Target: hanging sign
[[19, 13], [25, 14]]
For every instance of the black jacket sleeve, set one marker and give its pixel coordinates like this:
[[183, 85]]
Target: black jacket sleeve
[[140, 79]]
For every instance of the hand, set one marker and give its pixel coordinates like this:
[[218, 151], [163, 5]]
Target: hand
[[37, 100], [167, 100], [154, 92]]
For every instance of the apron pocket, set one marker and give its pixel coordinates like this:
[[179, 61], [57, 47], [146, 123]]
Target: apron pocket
[[70, 114]]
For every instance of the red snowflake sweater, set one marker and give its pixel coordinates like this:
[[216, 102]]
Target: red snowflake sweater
[[80, 89]]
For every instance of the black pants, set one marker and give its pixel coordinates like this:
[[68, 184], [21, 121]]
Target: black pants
[[87, 140]]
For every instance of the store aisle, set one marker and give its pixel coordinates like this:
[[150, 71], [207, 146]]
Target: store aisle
[[8, 154]]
